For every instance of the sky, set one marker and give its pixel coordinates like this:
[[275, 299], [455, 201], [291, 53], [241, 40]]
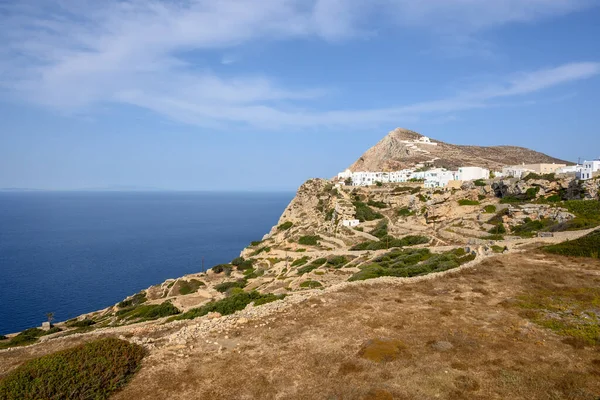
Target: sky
[[263, 95]]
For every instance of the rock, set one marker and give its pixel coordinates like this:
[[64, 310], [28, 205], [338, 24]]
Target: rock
[[213, 315], [242, 321]]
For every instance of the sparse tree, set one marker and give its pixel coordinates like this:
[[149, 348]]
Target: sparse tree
[[348, 181], [50, 317]]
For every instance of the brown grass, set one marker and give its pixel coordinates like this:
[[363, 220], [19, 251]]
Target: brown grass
[[317, 349]]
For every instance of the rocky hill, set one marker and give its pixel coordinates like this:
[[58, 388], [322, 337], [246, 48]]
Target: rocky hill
[[398, 151]]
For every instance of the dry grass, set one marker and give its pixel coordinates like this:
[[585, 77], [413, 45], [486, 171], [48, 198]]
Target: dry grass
[[459, 337]]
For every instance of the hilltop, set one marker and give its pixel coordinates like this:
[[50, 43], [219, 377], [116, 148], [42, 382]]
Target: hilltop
[[400, 149]]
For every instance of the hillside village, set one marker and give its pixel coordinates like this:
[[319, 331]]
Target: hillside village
[[392, 228]]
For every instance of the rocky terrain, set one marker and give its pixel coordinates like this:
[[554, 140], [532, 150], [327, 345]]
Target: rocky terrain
[[392, 153], [425, 298]]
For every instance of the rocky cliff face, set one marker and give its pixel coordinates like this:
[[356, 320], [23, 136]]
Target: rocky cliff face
[[396, 151]]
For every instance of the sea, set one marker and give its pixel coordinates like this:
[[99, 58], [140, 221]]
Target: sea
[[71, 253]]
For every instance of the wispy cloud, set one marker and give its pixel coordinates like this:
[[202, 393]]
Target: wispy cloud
[[70, 55]]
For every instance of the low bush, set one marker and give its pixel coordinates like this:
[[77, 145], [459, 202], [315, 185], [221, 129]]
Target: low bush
[[264, 249], [218, 269], [337, 261], [405, 212], [499, 229], [229, 305], [587, 214], [311, 284], [94, 370], [225, 286], [148, 312], [586, 246], [377, 204], [135, 300], [245, 265], [285, 226], [237, 261], [255, 243], [528, 228], [533, 176], [493, 237], [80, 323], [2, 337], [28, 336], [388, 242], [312, 266], [381, 230], [300, 261], [365, 213], [489, 209], [309, 240], [422, 198], [479, 182], [412, 262], [467, 202], [497, 249], [481, 197], [189, 287]]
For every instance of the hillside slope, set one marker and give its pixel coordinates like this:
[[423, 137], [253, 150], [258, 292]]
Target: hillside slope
[[393, 152]]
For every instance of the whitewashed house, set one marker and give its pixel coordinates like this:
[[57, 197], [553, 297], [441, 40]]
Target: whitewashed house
[[351, 223], [516, 171], [588, 168], [569, 169], [472, 173]]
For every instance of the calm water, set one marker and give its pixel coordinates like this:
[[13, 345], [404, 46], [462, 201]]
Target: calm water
[[71, 253]]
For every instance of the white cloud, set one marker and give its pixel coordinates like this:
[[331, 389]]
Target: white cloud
[[73, 54]]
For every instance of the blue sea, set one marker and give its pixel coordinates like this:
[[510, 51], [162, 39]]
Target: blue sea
[[76, 252]]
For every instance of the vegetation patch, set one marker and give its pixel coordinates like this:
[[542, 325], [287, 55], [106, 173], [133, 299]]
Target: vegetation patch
[[365, 213], [499, 229], [147, 312], [229, 305], [388, 242], [497, 249], [382, 350], [338, 261], [381, 230], [309, 240], [467, 202], [133, 301], [547, 177], [377, 204], [285, 226], [226, 286], [529, 227], [479, 182], [312, 266], [218, 269], [94, 370], [264, 249], [405, 212], [311, 284], [188, 287], [489, 209], [28, 336], [412, 262], [586, 246], [300, 261], [570, 312], [74, 323], [587, 215]]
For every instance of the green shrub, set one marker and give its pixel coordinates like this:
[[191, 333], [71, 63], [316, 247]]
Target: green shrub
[[80, 323], [300, 261], [309, 240], [422, 198], [481, 197], [135, 300], [255, 243], [586, 246], [228, 305], [467, 202], [529, 227], [479, 182], [225, 286], [497, 249], [245, 265], [381, 230], [377, 204], [365, 213], [264, 249], [148, 312], [499, 229], [28, 336], [285, 226], [388, 242], [337, 261], [493, 237], [267, 298], [312, 266], [510, 199], [490, 209], [405, 212], [94, 370], [2, 337], [379, 184], [587, 213], [412, 262], [237, 261], [218, 269], [548, 177], [311, 284], [555, 198], [189, 287]]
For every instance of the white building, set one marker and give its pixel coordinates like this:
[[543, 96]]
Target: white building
[[588, 168], [350, 222], [438, 177], [472, 173], [516, 171], [569, 169]]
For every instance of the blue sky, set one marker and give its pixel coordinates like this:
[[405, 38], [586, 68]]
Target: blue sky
[[247, 95]]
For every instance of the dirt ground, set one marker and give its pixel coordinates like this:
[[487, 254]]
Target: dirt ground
[[461, 336]]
